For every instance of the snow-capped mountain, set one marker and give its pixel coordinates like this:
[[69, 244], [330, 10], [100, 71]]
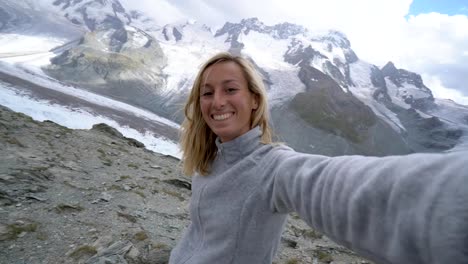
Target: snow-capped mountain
[[95, 15], [323, 98]]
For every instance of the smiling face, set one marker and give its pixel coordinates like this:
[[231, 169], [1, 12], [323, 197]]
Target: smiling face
[[226, 101]]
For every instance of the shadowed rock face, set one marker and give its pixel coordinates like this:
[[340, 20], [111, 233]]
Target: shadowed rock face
[[111, 59], [424, 100], [428, 134], [378, 80], [337, 69], [279, 31], [324, 105], [132, 74], [82, 12], [233, 31]]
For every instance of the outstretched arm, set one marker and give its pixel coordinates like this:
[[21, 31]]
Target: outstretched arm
[[399, 209]]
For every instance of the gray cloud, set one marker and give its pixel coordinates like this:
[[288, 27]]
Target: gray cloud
[[451, 75]]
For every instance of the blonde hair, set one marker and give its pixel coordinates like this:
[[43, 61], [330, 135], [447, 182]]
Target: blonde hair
[[197, 139]]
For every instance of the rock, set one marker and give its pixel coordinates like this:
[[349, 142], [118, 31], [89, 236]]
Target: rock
[[133, 254], [6, 178], [129, 217], [114, 254], [4, 232], [180, 183], [159, 256], [135, 143], [106, 197], [36, 198], [107, 129], [289, 242]]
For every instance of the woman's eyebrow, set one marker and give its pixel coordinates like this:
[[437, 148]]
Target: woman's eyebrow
[[229, 81], [207, 85]]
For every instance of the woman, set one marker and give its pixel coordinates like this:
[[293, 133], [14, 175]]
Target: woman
[[406, 209]]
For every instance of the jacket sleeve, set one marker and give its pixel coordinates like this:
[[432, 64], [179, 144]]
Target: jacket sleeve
[[397, 209]]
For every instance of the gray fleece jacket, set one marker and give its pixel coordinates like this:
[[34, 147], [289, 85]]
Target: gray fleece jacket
[[400, 209]]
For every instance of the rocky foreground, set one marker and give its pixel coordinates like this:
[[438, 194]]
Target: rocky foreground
[[94, 196]]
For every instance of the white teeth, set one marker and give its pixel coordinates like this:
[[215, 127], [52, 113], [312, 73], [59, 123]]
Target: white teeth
[[222, 117]]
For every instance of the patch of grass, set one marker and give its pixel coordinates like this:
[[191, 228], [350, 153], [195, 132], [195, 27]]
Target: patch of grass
[[130, 218], [293, 261], [106, 162], [133, 165], [295, 216], [103, 157], [307, 233], [14, 230], [60, 208], [42, 236], [159, 245], [15, 141], [125, 177], [324, 256], [40, 168], [82, 251], [139, 193], [102, 152], [122, 149], [140, 236], [312, 234], [116, 188], [69, 184], [41, 137], [173, 193]]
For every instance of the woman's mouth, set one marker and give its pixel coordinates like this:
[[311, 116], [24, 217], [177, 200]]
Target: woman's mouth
[[222, 116]]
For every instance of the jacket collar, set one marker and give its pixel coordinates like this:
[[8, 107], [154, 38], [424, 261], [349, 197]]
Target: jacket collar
[[239, 147]]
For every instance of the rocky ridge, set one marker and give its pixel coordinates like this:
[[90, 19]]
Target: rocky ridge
[[94, 196]]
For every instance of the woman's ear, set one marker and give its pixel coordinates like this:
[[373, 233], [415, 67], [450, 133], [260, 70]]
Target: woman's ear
[[255, 102]]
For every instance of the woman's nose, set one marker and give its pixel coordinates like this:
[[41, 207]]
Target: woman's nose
[[219, 100]]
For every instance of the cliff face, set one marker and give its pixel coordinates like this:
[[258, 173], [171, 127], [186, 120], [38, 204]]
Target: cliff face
[[94, 196]]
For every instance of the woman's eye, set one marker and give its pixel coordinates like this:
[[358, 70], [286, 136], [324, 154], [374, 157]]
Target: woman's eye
[[207, 93], [231, 90]]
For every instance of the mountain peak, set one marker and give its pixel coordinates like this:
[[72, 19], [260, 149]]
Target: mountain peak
[[337, 38], [253, 21], [279, 31], [94, 14], [178, 31], [389, 68], [418, 97]]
